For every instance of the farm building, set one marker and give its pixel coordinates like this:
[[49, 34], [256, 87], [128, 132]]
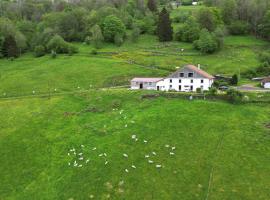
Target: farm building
[[144, 83], [266, 83], [187, 79]]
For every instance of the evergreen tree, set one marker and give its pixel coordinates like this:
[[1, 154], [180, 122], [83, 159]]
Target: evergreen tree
[[10, 48], [164, 30], [152, 5], [234, 79]]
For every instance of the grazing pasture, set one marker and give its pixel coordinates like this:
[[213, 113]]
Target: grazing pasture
[[113, 144], [114, 66]]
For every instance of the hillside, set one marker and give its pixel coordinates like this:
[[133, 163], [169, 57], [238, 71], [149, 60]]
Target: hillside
[[220, 148]]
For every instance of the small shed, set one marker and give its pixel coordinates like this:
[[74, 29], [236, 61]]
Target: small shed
[[266, 83], [144, 83]]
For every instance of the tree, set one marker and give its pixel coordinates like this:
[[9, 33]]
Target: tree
[[238, 27], [111, 27], [207, 42], [229, 11], [10, 48], [97, 37], [264, 27], [209, 18], [135, 34], [189, 32], [234, 80], [152, 5], [164, 30]]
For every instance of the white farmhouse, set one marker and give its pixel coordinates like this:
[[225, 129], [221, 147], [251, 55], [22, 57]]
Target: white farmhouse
[[186, 79], [266, 83]]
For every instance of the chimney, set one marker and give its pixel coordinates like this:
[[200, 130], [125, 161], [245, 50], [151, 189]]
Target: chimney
[[199, 66]]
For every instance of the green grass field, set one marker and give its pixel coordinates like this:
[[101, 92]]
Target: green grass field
[[117, 65], [221, 150]]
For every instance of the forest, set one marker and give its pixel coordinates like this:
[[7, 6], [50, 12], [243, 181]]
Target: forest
[[46, 26]]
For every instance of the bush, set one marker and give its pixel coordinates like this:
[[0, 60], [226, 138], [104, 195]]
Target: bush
[[187, 2], [39, 51], [212, 91], [238, 28], [188, 32], [53, 54], [235, 96], [234, 80], [207, 43], [118, 40], [111, 27], [59, 45], [94, 52]]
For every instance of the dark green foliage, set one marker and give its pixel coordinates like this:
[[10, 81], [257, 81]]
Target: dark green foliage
[[209, 18], [111, 27], [187, 2], [10, 48], [207, 42], [188, 32], [264, 27], [234, 80], [39, 51], [147, 24], [96, 36], [53, 54], [164, 30], [59, 45], [118, 39], [152, 5], [238, 28], [235, 96], [229, 11], [135, 34]]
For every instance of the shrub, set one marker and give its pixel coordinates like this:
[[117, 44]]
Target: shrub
[[212, 91], [94, 52], [118, 40], [187, 2], [59, 45], [39, 51], [238, 28], [111, 27], [53, 54], [235, 96], [188, 32], [207, 42], [234, 80]]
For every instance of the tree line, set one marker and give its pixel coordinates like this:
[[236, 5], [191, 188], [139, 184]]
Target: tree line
[[50, 26]]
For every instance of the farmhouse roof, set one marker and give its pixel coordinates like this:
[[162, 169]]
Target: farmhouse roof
[[199, 71], [266, 80], [153, 80]]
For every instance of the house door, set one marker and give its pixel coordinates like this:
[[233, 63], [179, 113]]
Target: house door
[[191, 88], [141, 86], [157, 87]]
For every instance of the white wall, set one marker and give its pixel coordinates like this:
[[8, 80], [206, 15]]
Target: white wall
[[267, 85], [185, 84]]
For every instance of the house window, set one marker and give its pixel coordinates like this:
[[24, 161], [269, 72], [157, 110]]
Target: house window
[[181, 74], [150, 83], [201, 80], [170, 80], [190, 74], [191, 80], [180, 81]]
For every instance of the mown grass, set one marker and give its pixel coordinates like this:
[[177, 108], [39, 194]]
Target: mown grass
[[36, 134]]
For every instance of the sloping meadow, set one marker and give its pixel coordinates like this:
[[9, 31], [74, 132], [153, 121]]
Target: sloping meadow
[[114, 144]]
